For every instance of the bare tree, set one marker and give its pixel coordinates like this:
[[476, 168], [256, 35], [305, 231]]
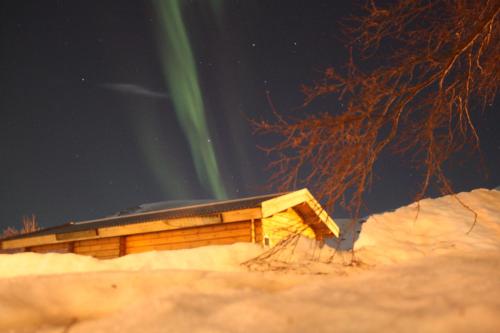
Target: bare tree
[[437, 64], [29, 224], [9, 232]]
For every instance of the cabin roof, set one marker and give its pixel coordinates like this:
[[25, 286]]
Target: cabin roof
[[146, 213]]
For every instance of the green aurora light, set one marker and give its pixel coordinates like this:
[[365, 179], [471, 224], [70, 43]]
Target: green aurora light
[[179, 70]]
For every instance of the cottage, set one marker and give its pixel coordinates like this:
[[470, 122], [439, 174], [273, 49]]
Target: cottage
[[263, 219]]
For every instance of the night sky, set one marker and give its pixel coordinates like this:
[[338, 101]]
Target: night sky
[[91, 91]]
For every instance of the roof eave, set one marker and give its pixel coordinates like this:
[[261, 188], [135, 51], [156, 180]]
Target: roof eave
[[295, 199]]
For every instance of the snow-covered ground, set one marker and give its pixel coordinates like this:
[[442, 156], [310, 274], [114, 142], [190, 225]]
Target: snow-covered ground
[[427, 275]]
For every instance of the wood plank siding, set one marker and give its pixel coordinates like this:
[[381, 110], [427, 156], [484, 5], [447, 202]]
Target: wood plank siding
[[226, 233], [56, 248], [102, 248]]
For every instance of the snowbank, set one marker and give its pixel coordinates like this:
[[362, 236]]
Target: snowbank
[[214, 258], [441, 227], [456, 293], [451, 284]]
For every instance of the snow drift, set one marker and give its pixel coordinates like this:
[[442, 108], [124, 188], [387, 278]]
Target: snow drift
[[442, 225], [415, 276], [215, 258]]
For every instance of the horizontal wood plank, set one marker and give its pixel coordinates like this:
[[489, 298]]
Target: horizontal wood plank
[[77, 234], [98, 247], [97, 241], [29, 241], [191, 231], [241, 215], [106, 257], [160, 225], [186, 245], [103, 253], [189, 238], [58, 248]]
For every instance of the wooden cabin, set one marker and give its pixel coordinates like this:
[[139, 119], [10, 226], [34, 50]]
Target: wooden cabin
[[263, 219]]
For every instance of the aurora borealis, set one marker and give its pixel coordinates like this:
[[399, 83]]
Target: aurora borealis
[[110, 104], [179, 69]]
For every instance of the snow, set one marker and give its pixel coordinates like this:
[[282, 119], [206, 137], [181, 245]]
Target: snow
[[210, 258], [411, 276], [442, 225]]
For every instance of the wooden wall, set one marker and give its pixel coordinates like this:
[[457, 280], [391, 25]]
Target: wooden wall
[[219, 234], [57, 248], [102, 248], [112, 247], [282, 225]]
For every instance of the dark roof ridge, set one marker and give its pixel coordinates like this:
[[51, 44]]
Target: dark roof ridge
[[212, 203]]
